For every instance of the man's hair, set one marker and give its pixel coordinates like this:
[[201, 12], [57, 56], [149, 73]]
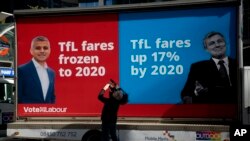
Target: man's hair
[[39, 38], [209, 35]]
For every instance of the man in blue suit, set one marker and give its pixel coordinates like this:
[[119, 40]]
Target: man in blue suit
[[35, 78]]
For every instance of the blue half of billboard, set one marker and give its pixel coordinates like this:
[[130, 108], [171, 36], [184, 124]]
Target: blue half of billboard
[[157, 49]]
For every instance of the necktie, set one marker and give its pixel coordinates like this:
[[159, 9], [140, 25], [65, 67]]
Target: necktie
[[223, 73]]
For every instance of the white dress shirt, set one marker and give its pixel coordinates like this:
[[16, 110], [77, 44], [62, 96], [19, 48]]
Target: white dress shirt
[[43, 76]]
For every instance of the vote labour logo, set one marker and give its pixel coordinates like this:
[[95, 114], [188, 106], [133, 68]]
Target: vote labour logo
[[240, 133]]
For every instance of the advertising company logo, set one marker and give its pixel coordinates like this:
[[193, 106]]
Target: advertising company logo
[[208, 136]]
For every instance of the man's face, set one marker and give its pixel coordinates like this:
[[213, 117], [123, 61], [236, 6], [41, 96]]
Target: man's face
[[40, 51], [216, 46]]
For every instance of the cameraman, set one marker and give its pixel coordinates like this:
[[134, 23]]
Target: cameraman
[[110, 109]]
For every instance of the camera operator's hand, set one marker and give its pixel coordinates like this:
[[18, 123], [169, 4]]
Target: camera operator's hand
[[106, 87]]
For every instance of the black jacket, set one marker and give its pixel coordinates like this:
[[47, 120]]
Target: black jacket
[[111, 106]]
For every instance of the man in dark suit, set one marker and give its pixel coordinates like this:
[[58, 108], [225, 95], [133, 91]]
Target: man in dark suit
[[212, 81], [35, 78]]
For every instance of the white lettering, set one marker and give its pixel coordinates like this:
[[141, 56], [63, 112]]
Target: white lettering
[[159, 43], [240, 132], [45, 109], [97, 46], [78, 59]]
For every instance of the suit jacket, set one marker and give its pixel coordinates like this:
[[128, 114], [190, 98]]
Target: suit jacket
[[29, 85], [207, 74]]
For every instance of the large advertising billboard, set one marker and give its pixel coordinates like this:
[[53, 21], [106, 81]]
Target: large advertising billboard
[[153, 56]]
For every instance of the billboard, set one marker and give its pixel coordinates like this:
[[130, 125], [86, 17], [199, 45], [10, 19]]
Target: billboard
[[149, 53]]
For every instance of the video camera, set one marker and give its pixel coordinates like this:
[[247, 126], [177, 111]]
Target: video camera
[[114, 86]]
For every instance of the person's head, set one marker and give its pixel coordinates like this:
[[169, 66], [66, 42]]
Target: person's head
[[40, 49], [118, 94], [214, 43]]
